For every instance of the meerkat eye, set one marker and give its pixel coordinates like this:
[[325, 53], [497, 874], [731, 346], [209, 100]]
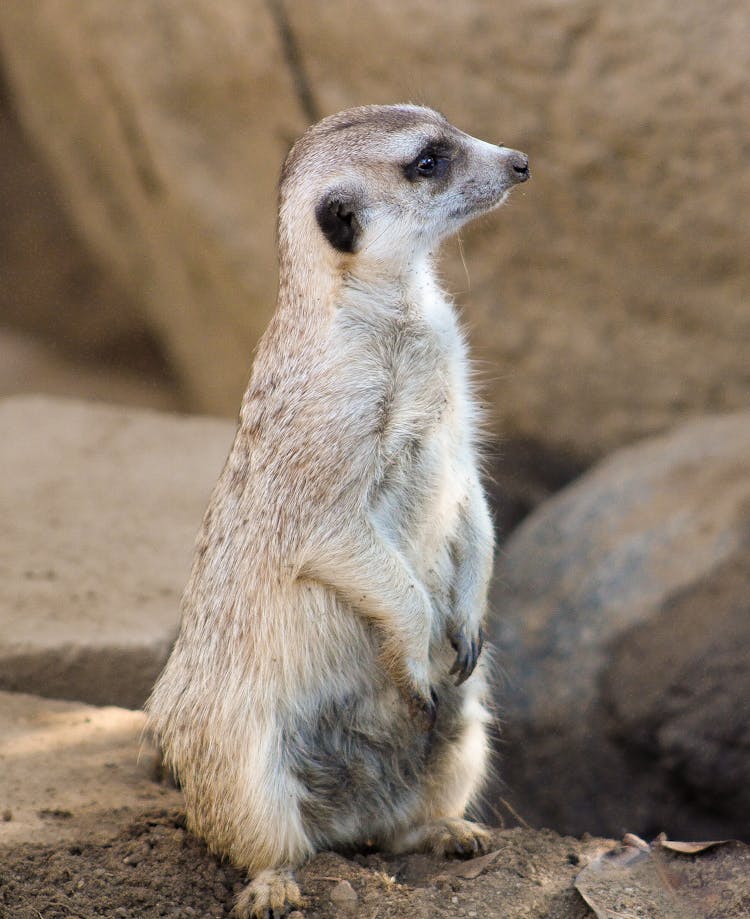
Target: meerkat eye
[[429, 164]]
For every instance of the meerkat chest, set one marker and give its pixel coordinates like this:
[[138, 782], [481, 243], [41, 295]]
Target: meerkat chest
[[408, 362], [425, 395]]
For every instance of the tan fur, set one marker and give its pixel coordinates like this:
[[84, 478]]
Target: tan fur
[[344, 558]]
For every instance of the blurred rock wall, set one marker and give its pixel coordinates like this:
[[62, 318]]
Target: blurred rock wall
[[607, 300], [67, 325]]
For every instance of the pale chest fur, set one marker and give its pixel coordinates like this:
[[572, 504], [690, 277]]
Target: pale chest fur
[[419, 404]]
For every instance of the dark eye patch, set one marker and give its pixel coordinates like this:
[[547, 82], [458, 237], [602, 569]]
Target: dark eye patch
[[432, 162], [336, 214]]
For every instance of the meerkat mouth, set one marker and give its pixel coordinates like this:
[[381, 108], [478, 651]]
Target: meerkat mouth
[[477, 208]]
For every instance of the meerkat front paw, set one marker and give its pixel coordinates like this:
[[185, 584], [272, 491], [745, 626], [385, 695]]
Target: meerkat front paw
[[468, 647], [271, 895], [424, 708], [411, 676], [420, 697]]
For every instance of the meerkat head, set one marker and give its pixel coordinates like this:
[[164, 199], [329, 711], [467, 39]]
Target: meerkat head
[[387, 183]]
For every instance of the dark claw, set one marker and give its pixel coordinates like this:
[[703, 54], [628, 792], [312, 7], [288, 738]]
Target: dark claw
[[462, 677], [456, 637], [466, 849], [467, 653], [431, 710]]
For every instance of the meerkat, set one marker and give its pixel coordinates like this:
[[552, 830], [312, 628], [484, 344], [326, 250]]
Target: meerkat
[[325, 689]]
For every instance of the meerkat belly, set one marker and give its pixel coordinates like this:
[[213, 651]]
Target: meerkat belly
[[351, 746], [348, 737]]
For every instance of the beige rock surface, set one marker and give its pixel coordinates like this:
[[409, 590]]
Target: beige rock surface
[[51, 286], [72, 771], [99, 508], [609, 298], [166, 124]]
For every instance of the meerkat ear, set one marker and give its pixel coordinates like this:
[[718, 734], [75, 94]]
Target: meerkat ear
[[337, 218]]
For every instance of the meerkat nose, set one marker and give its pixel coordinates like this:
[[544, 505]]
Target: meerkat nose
[[520, 165]]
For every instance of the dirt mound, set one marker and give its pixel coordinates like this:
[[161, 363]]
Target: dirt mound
[[154, 867]]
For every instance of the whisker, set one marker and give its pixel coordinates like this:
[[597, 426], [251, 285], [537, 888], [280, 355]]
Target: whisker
[[463, 260]]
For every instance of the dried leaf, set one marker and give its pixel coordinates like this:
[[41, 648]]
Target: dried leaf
[[474, 867], [657, 881], [693, 848]]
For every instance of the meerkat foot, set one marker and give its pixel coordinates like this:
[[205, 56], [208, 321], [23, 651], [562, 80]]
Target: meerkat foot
[[270, 895], [451, 837]]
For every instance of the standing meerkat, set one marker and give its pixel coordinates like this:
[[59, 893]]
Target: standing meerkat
[[322, 692]]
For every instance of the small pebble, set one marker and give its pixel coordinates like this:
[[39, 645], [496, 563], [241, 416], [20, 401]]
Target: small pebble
[[138, 855], [343, 893], [7, 815]]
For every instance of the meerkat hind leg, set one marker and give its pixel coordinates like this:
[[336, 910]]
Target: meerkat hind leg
[[270, 895], [450, 836]]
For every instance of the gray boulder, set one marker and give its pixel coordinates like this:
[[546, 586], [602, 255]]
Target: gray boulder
[[622, 622]]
